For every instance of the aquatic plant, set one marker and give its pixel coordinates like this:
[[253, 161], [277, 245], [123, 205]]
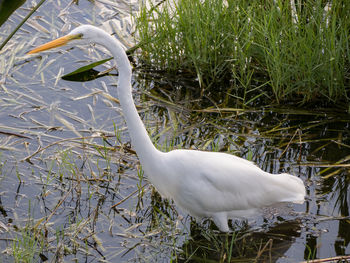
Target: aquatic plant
[[278, 49]]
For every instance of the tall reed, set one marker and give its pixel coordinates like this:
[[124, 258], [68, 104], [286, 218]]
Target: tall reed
[[288, 49]]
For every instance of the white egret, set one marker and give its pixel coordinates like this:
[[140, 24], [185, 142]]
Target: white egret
[[212, 185]]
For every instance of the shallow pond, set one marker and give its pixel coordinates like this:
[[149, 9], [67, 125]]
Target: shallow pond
[[72, 189]]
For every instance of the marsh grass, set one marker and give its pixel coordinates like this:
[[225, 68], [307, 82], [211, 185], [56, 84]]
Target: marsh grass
[[29, 241], [69, 185], [25, 247], [252, 49]]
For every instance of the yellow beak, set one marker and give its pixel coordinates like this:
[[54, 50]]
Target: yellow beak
[[55, 43]]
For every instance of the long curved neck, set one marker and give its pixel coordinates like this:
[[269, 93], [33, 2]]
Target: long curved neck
[[140, 139]]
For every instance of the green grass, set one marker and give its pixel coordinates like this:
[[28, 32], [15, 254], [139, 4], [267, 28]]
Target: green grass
[[252, 48], [29, 242], [25, 247]]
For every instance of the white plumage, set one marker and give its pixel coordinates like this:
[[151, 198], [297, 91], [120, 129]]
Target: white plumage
[[221, 186], [206, 184]]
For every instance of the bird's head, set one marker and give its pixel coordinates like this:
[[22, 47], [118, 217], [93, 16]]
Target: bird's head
[[84, 33]]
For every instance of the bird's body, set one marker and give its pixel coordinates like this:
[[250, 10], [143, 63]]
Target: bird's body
[[219, 185], [206, 184]]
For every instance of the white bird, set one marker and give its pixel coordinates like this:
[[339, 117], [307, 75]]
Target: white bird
[[212, 185]]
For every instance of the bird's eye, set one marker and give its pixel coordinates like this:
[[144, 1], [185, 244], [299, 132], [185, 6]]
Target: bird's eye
[[76, 36]]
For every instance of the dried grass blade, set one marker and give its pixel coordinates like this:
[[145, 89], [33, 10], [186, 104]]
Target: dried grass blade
[[329, 260], [88, 95], [130, 195], [68, 125]]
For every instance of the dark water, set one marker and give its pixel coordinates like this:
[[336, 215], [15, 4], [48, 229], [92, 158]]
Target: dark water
[[71, 184]]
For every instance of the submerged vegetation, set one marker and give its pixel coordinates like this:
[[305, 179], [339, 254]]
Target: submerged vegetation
[[280, 50]]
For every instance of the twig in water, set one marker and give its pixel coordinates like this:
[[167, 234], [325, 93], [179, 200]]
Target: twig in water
[[284, 151], [130, 195], [14, 134], [58, 205], [329, 260], [260, 252]]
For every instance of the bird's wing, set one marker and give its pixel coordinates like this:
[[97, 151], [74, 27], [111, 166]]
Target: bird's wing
[[216, 182]]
